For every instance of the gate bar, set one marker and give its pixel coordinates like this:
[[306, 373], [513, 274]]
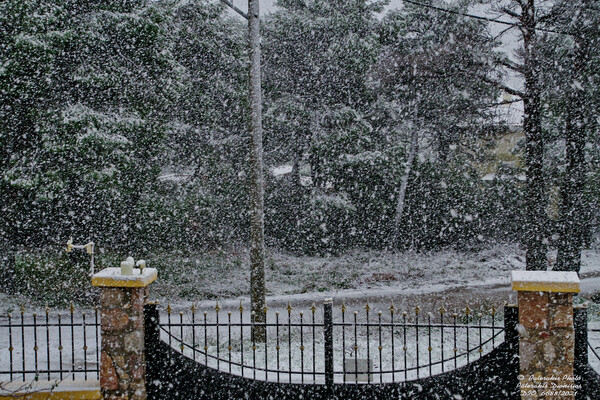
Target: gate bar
[[328, 333]]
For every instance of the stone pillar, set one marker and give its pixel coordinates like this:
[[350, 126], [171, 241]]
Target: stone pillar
[[546, 333], [122, 362]]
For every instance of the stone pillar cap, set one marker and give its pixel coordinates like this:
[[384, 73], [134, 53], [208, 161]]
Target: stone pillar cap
[[545, 281], [111, 277]]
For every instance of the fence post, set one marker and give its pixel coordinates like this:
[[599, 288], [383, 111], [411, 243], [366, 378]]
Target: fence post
[[328, 333], [122, 360], [152, 341], [151, 322], [511, 319], [511, 362], [581, 338], [546, 333]]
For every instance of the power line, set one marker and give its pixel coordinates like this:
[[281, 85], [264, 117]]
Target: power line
[[479, 17]]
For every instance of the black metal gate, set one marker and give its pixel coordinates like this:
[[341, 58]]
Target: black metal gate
[[373, 357], [590, 380]]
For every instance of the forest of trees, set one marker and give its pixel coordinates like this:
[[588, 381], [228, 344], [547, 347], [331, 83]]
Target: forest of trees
[[127, 123]]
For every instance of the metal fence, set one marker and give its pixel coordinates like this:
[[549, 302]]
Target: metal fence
[[333, 344], [50, 346], [321, 344]]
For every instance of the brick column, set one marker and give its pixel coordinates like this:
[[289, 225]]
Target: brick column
[[122, 363], [546, 333]]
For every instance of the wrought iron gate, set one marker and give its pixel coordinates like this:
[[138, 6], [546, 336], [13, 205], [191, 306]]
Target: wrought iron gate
[[316, 356]]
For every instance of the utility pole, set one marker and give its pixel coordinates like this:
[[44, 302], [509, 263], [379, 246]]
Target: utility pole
[[257, 226], [256, 179], [535, 257]]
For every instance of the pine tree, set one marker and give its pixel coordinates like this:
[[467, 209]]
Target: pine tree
[[93, 120], [527, 17], [571, 57], [30, 42], [317, 55], [425, 73]]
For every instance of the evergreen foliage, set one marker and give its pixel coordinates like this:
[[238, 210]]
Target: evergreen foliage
[[126, 123]]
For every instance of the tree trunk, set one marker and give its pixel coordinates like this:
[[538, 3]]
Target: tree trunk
[[257, 230], [7, 267], [298, 151], [572, 212], [534, 147], [414, 145]]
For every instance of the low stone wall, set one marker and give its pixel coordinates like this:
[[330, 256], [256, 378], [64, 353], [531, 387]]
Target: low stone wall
[[52, 390]]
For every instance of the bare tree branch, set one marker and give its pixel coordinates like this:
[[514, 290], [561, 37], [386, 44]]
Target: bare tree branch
[[510, 12], [504, 103], [498, 36], [25, 390], [511, 65], [502, 86]]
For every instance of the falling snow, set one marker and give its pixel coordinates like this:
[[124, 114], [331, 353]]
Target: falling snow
[[404, 149]]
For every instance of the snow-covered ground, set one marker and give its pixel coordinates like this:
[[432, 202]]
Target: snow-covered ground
[[480, 278], [227, 275]]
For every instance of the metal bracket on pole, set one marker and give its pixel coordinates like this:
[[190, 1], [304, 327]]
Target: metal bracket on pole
[[89, 248], [234, 8]]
